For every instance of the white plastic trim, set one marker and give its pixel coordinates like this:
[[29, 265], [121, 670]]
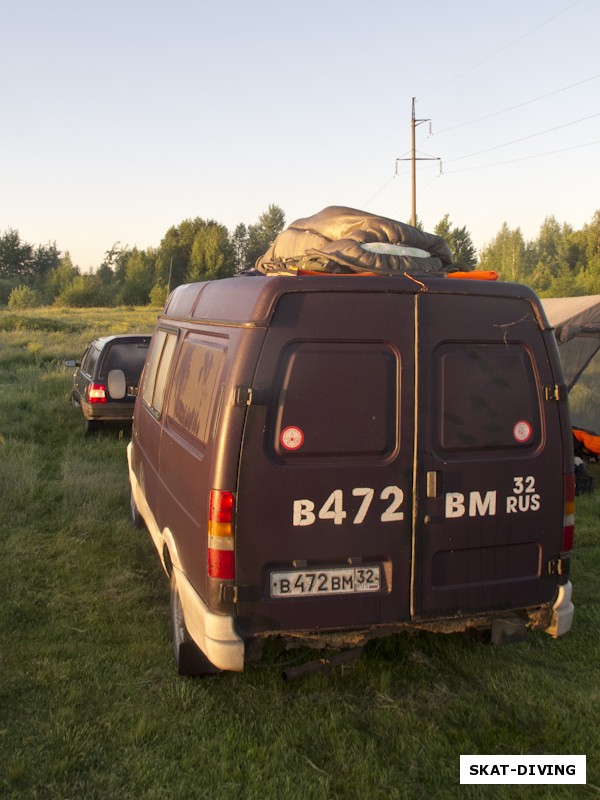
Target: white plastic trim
[[562, 611]]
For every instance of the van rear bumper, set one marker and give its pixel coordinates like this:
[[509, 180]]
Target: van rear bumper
[[214, 634]]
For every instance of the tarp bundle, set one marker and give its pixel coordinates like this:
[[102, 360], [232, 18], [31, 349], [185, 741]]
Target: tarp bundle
[[345, 240]]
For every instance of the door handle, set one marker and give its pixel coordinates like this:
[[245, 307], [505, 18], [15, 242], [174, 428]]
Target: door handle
[[434, 483]]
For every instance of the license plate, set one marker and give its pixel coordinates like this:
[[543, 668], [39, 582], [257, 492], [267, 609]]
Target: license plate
[[294, 583]]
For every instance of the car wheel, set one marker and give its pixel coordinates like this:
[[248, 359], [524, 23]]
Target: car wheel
[[135, 517], [91, 426], [74, 400], [189, 658]]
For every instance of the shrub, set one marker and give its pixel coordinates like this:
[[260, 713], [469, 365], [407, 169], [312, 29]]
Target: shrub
[[82, 292], [158, 295], [24, 297]]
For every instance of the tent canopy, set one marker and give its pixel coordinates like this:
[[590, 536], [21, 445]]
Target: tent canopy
[[576, 323], [573, 316]]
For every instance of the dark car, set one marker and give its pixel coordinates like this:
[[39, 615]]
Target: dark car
[[106, 381]]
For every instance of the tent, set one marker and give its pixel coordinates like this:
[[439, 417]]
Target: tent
[[576, 323]]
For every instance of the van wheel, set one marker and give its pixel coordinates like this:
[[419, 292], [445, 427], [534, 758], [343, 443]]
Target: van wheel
[[136, 519], [189, 658]]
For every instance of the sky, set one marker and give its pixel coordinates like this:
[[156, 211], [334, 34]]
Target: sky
[[121, 119]]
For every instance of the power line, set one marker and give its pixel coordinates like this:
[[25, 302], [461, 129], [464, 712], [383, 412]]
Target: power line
[[470, 69], [523, 158], [484, 166], [379, 191], [387, 183], [522, 139], [501, 50], [519, 105]]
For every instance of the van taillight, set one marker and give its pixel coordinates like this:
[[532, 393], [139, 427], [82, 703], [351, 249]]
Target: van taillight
[[221, 558], [96, 393], [569, 520]]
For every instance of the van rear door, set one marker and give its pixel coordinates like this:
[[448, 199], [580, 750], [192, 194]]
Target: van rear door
[[324, 500], [489, 504]]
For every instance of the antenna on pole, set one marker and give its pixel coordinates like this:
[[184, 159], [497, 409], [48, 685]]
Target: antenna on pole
[[413, 159]]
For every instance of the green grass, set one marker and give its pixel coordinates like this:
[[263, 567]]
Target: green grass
[[91, 706]]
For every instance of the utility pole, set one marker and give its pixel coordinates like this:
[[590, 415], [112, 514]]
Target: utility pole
[[170, 271], [413, 159]]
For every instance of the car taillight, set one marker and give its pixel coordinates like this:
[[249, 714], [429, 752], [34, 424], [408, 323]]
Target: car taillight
[[569, 519], [97, 393], [221, 557]]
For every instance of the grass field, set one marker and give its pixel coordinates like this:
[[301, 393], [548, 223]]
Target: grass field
[[90, 703]]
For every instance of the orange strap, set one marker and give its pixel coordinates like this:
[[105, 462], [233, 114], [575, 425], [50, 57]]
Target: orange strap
[[338, 274], [475, 275]]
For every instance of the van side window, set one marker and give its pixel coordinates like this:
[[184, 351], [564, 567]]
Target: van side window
[[193, 395], [339, 399], [157, 369], [486, 397]]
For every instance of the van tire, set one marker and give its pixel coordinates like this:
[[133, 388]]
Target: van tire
[[136, 519], [190, 660]]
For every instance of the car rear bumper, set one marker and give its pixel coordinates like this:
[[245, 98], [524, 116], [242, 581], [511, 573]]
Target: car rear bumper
[[107, 412]]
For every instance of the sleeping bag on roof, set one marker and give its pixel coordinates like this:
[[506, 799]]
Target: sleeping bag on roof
[[345, 240]]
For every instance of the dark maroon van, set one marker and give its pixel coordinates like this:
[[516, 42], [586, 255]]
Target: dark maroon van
[[328, 459]]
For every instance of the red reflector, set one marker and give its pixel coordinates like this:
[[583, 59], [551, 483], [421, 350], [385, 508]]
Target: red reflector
[[221, 564], [221, 506], [568, 537], [569, 488], [569, 518], [96, 393]]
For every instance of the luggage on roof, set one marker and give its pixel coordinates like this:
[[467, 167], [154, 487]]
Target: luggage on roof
[[346, 240]]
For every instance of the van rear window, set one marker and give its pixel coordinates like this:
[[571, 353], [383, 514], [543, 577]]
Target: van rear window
[[486, 397], [337, 400]]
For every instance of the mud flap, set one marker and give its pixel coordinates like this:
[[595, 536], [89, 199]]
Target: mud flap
[[508, 631]]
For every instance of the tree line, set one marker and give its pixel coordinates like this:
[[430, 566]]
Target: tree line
[[194, 250], [560, 261]]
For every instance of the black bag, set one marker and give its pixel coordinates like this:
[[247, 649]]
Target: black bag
[[345, 240]]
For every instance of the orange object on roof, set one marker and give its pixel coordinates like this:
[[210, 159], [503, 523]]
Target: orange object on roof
[[476, 275]]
